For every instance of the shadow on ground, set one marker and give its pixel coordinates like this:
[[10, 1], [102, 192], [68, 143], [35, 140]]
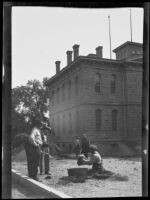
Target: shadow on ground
[[81, 179]]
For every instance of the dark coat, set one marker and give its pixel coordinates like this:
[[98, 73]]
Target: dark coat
[[32, 153]]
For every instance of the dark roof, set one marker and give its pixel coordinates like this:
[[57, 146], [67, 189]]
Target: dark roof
[[127, 43]]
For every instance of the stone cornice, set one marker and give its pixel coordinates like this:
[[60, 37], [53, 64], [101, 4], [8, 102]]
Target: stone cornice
[[81, 59]]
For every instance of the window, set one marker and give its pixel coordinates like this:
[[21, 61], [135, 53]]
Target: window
[[76, 85], [70, 123], [114, 120], [77, 122], [55, 126], [97, 83], [69, 89], [63, 92], [113, 84], [64, 124], [58, 125], [98, 120], [58, 95]]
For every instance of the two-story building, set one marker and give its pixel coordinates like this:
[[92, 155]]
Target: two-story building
[[98, 96]]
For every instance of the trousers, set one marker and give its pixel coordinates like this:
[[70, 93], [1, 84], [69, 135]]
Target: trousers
[[44, 163]]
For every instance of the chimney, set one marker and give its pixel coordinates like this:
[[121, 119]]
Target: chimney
[[76, 50], [99, 51], [69, 57], [57, 66]]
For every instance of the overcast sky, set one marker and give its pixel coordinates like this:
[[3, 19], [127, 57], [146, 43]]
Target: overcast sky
[[42, 35]]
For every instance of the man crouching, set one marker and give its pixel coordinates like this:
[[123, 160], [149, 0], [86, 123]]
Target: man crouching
[[95, 160]]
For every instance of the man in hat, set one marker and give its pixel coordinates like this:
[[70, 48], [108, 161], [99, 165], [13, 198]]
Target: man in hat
[[44, 160]]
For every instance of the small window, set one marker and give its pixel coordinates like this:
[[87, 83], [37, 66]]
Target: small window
[[97, 83], [113, 84], [114, 120], [58, 125], [70, 123], [98, 120], [77, 122], [63, 124]]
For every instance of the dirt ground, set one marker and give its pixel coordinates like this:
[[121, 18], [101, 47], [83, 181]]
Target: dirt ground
[[130, 186], [23, 193]]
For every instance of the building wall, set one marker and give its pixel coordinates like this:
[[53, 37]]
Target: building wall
[[134, 102], [106, 132], [63, 114], [76, 115], [105, 97]]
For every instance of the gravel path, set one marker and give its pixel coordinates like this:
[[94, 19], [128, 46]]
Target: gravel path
[[111, 187]]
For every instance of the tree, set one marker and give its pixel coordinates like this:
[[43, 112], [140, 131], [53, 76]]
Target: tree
[[29, 105]]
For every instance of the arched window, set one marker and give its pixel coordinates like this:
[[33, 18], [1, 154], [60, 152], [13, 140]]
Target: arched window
[[113, 84], [58, 95], [77, 122], [114, 120], [63, 124], [98, 83], [58, 125], [69, 89], [70, 123], [76, 85], [55, 126], [98, 119], [63, 92]]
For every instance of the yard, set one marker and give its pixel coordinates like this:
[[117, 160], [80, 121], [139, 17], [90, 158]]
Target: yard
[[111, 187]]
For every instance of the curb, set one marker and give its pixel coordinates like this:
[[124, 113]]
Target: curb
[[37, 187]]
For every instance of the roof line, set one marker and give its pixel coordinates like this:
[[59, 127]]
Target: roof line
[[79, 58], [128, 42]]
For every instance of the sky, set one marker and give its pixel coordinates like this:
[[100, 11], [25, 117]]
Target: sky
[[42, 35]]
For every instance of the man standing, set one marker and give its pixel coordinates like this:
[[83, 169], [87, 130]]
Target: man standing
[[44, 160], [31, 145], [34, 161]]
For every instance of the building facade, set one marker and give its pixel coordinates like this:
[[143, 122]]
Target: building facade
[[97, 96]]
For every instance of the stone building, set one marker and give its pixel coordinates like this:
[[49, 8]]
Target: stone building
[[98, 96]]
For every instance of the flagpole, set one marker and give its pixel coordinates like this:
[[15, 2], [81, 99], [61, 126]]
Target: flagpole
[[131, 24], [109, 37]]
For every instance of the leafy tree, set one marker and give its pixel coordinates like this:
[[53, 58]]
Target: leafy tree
[[29, 105]]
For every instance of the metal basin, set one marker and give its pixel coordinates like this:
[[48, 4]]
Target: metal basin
[[77, 171]]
